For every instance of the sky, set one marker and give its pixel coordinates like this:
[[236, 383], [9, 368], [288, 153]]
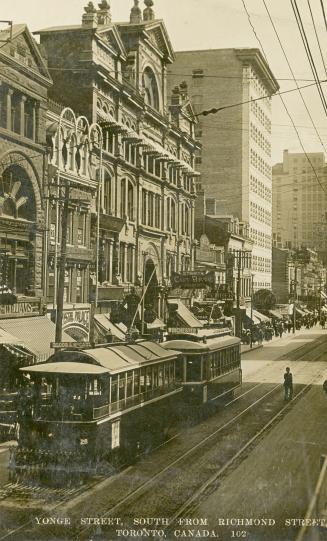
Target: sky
[[209, 24]]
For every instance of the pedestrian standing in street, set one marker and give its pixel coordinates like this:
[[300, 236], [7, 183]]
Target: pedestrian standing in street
[[288, 384]]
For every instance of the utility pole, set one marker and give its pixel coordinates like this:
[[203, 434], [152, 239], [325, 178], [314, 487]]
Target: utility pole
[[251, 333], [295, 295], [143, 294], [62, 265], [238, 284]]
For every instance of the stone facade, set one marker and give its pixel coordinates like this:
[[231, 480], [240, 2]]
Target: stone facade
[[148, 186], [23, 103]]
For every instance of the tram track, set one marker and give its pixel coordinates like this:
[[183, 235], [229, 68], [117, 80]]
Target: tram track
[[76, 533], [134, 495], [118, 509]]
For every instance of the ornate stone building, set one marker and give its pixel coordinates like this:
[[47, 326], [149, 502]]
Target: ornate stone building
[[23, 104], [115, 74]]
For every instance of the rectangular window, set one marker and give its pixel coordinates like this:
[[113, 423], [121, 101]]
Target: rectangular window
[[144, 209], [157, 211], [130, 253], [81, 231], [79, 285], [70, 227], [67, 285], [150, 208]]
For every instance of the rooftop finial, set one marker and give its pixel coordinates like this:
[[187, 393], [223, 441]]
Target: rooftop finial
[[136, 13], [104, 15], [90, 16], [148, 13], [90, 8]]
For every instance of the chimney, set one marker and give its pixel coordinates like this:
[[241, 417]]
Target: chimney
[[90, 16], [184, 90], [176, 96], [148, 13], [136, 13], [104, 15]]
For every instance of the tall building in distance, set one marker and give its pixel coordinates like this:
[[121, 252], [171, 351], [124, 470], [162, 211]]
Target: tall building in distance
[[235, 160], [300, 202]]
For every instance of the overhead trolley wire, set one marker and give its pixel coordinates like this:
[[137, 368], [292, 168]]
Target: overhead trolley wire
[[305, 42], [293, 74], [287, 111], [317, 37], [323, 12]]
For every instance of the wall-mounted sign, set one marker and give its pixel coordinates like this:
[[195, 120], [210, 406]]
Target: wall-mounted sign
[[80, 316], [193, 280], [70, 345], [21, 308], [224, 293]]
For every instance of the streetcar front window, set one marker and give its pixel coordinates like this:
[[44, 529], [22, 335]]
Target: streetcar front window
[[193, 368]]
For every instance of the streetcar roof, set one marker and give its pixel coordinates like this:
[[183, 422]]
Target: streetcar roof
[[66, 368], [110, 358], [211, 345]]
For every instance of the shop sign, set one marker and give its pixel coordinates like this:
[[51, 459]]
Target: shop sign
[[76, 316], [192, 280], [71, 345], [182, 330], [21, 308], [224, 293]]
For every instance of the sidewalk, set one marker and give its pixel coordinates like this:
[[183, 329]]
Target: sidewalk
[[246, 348]]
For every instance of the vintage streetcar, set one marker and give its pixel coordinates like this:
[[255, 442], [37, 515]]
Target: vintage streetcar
[[211, 368], [83, 411]]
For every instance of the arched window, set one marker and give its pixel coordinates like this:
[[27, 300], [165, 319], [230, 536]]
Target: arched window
[[127, 199], [84, 156], [150, 87], [171, 214], [17, 194], [123, 206], [130, 200], [71, 153], [185, 219]]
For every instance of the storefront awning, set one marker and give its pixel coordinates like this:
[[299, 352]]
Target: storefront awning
[[188, 319], [34, 333], [261, 317], [156, 324], [276, 314], [254, 319], [7, 338], [108, 327]]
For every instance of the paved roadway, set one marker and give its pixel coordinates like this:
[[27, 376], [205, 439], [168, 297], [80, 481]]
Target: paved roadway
[[277, 479], [274, 481]]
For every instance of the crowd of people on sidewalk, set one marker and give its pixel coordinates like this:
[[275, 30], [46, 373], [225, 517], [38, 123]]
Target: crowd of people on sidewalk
[[265, 331]]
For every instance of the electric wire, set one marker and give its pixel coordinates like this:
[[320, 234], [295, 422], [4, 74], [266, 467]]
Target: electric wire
[[293, 75], [307, 48], [317, 37], [323, 12], [290, 117]]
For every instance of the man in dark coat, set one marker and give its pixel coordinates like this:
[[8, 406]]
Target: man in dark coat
[[288, 384]]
